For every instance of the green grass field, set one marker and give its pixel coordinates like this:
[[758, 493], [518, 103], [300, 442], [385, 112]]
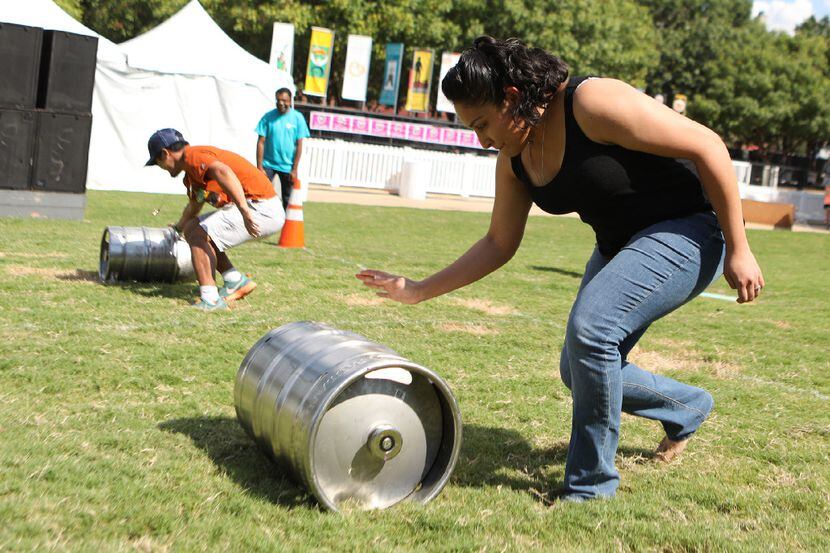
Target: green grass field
[[118, 431]]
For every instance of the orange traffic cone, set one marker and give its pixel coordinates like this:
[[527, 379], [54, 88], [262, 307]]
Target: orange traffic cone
[[293, 235]]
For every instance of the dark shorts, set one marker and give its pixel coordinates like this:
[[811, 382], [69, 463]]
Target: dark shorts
[[286, 184]]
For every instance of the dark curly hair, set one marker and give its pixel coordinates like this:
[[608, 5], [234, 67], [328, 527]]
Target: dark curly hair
[[484, 70]]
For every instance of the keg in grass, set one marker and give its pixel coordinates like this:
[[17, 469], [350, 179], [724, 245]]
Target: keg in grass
[[144, 254], [351, 419]]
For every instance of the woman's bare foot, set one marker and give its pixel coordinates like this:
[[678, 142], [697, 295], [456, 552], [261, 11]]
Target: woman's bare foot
[[669, 450]]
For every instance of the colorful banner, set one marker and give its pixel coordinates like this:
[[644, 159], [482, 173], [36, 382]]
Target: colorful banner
[[356, 73], [392, 75], [282, 47], [317, 71], [383, 128], [448, 61], [420, 81]]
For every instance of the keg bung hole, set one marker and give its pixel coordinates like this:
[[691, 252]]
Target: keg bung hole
[[395, 374]]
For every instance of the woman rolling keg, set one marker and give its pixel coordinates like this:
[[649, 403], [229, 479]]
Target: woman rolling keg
[[659, 192]]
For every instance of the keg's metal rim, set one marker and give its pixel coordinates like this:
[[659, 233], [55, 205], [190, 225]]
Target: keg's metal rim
[[104, 257], [385, 361]]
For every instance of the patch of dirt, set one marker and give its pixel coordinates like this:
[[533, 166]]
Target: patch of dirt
[[34, 255], [363, 300], [485, 306], [477, 330], [688, 360], [23, 271], [148, 544], [77, 275]]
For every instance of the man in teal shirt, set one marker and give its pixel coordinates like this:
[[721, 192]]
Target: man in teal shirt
[[279, 147]]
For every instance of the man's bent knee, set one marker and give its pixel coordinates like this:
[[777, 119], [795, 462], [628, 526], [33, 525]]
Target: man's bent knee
[[193, 232]]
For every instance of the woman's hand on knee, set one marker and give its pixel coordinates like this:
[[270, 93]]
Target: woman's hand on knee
[[743, 274]]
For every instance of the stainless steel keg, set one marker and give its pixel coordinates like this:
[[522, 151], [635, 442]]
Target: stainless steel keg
[[143, 254], [354, 421]]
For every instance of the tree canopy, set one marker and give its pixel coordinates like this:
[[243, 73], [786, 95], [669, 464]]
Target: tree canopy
[[751, 85]]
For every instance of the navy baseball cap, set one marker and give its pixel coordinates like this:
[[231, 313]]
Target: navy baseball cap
[[163, 138]]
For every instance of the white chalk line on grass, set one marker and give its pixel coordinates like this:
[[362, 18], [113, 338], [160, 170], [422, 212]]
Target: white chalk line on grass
[[784, 387], [717, 296]]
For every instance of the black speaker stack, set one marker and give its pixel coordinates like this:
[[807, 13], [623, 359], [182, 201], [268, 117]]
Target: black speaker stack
[[46, 82]]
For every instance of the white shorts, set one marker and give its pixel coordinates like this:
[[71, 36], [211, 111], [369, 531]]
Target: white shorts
[[226, 227]]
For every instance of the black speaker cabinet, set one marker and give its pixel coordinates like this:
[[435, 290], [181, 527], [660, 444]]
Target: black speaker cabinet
[[17, 142], [67, 71], [61, 151], [19, 64]]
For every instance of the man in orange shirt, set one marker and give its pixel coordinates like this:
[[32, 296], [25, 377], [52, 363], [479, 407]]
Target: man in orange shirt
[[246, 207]]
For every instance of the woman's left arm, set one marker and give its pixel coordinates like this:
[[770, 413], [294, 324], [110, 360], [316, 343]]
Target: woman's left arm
[[612, 112]]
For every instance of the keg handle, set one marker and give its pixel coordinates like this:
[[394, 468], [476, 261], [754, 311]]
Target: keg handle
[[384, 442]]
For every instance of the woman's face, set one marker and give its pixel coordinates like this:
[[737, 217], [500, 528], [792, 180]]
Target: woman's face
[[495, 126]]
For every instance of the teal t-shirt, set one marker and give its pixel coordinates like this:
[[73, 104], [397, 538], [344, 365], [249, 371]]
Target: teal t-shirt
[[281, 132]]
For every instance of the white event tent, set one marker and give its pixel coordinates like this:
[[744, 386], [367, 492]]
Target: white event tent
[[186, 73], [47, 14]]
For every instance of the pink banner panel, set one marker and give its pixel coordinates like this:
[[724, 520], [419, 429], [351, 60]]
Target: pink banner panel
[[354, 124], [320, 121], [341, 123], [360, 125], [449, 136], [398, 130], [416, 132], [467, 139], [379, 127], [433, 135]]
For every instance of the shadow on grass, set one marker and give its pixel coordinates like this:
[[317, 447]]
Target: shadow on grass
[[79, 275], [503, 457], [236, 454], [573, 274], [177, 290], [489, 457]]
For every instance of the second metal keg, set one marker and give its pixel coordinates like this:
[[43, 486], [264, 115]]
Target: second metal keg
[[353, 420], [143, 254]]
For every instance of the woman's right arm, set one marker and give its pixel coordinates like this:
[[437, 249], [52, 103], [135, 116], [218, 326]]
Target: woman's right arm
[[497, 247]]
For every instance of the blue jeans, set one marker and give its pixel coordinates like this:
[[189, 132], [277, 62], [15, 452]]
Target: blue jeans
[[660, 269]]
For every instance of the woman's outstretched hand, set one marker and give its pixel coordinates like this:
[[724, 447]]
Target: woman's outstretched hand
[[391, 286]]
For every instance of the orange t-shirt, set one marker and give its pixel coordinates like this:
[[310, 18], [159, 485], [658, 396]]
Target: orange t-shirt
[[197, 159]]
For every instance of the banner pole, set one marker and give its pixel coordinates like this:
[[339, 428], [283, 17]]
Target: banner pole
[[400, 72]]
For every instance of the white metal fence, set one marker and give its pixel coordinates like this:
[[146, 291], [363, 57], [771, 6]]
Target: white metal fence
[[809, 206], [339, 163]]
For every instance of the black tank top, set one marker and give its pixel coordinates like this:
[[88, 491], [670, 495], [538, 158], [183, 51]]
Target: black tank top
[[618, 192]]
